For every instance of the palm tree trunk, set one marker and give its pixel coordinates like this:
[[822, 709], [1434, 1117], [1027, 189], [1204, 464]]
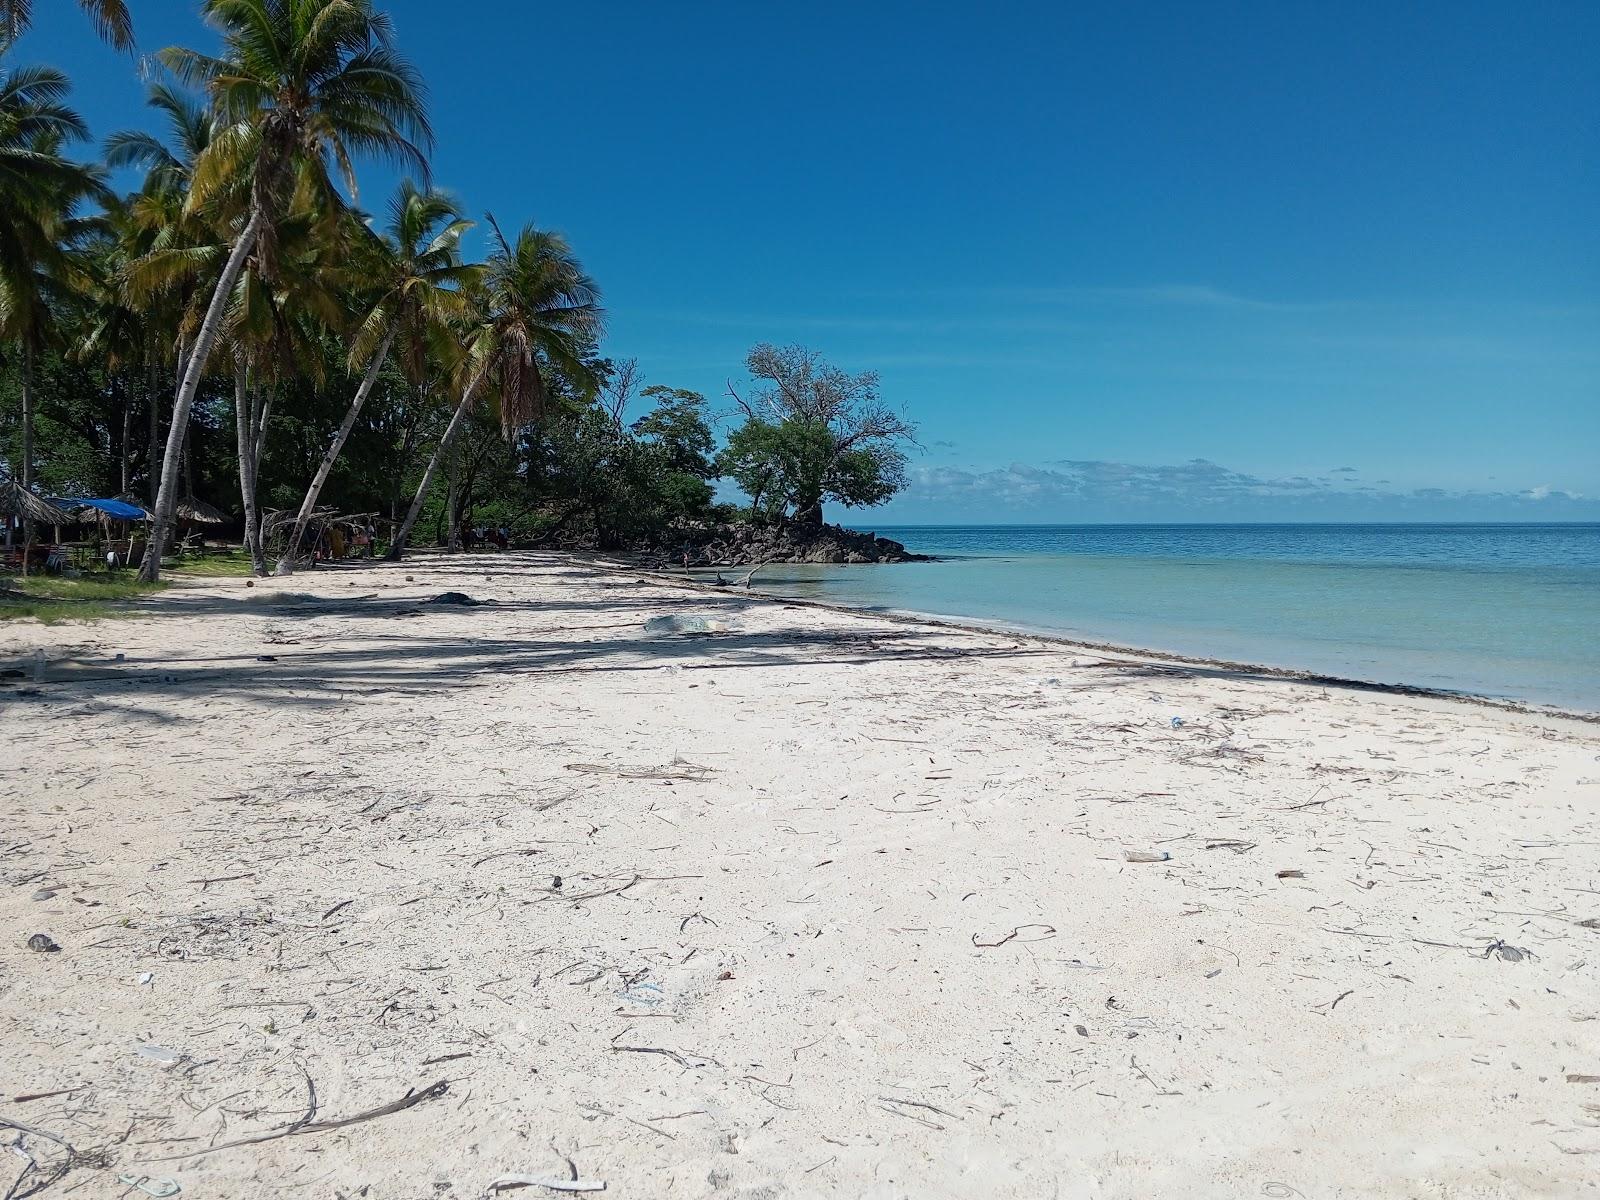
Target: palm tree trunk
[[27, 417], [152, 377], [408, 444], [452, 505], [397, 547], [291, 549], [247, 470], [260, 410], [27, 449], [166, 497], [127, 431]]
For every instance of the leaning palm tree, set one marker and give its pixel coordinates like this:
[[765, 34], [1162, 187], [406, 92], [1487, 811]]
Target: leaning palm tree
[[416, 271], [111, 19], [280, 329], [537, 310], [301, 86], [160, 228], [273, 329]]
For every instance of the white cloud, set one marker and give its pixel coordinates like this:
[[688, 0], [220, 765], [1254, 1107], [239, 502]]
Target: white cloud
[[1200, 487]]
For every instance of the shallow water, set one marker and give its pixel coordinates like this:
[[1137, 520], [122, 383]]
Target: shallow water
[[1500, 610]]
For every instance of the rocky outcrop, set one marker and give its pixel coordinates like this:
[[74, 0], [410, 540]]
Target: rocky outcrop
[[744, 545]]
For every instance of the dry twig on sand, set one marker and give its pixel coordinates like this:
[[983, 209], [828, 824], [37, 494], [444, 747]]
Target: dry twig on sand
[[305, 1125], [688, 771]]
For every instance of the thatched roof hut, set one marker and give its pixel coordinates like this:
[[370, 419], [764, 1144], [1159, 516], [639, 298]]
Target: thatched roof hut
[[197, 512], [18, 501]]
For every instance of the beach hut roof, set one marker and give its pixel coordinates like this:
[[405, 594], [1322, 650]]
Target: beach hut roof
[[18, 501], [198, 512], [87, 508]]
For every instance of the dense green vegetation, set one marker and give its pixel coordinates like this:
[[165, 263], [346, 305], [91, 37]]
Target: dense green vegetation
[[235, 329]]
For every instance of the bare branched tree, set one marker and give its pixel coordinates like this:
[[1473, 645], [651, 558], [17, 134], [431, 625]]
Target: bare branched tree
[[619, 390]]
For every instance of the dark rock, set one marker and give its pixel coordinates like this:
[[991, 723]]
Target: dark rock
[[43, 943], [745, 545]]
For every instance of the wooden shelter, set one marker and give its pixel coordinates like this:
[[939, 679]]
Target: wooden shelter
[[117, 518], [191, 510], [328, 534], [17, 503]]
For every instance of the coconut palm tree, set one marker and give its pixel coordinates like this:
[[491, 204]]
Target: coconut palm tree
[[302, 86], [416, 270], [111, 19], [537, 309], [284, 328], [106, 328], [159, 227], [273, 329], [168, 165], [40, 191]]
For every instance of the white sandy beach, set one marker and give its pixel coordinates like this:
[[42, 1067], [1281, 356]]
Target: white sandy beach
[[821, 905]]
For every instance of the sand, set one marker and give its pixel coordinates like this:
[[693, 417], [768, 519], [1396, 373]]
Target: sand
[[822, 904]]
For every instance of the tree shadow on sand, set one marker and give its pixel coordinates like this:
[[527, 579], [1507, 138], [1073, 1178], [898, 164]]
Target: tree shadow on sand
[[294, 671]]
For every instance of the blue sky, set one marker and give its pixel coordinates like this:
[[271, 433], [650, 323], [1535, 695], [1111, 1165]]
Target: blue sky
[[1158, 261]]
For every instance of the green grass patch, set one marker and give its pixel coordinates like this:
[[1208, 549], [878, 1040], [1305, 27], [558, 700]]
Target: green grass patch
[[52, 598], [218, 563]]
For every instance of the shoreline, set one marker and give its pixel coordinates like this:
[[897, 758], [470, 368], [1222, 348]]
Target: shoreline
[[828, 902], [1143, 653]]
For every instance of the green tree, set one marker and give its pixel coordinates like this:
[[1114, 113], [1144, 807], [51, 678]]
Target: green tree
[[679, 426], [301, 87], [156, 226], [108, 331], [415, 270], [537, 310], [679, 453], [111, 19], [285, 327], [813, 433], [40, 191]]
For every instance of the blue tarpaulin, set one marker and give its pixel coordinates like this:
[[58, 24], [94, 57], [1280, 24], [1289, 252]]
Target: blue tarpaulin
[[116, 509]]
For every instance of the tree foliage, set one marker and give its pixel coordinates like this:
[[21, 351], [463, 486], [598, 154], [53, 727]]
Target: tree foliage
[[237, 329], [813, 432]]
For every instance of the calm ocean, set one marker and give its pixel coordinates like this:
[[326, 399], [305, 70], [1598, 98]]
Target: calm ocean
[[1499, 610]]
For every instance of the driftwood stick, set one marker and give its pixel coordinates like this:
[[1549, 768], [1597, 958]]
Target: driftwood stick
[[48, 1179], [581, 896], [409, 1100], [681, 1059]]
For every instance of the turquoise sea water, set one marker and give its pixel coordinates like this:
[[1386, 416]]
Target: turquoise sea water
[[1500, 610]]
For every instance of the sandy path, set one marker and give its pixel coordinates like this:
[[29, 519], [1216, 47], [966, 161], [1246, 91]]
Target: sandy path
[[826, 905]]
